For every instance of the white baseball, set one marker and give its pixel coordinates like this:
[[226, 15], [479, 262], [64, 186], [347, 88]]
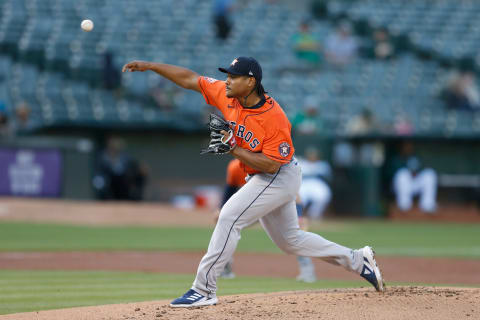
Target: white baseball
[[87, 25]]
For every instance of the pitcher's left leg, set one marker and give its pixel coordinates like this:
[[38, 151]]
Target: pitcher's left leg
[[282, 227]]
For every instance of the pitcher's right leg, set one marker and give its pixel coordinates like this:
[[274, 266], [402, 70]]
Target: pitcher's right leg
[[251, 202]]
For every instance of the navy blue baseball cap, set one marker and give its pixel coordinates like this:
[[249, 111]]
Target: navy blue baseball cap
[[243, 66]]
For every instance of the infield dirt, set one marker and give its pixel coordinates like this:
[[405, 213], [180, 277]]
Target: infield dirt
[[396, 303]]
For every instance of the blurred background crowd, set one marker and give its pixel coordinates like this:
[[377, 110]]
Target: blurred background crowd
[[384, 90]]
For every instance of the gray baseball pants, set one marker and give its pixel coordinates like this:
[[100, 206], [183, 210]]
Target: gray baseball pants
[[269, 198]]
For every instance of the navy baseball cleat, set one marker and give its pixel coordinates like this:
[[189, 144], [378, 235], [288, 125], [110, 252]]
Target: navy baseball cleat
[[193, 299], [370, 270]]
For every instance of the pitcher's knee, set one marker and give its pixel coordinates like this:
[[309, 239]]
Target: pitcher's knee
[[231, 221], [289, 245], [224, 218], [287, 248]]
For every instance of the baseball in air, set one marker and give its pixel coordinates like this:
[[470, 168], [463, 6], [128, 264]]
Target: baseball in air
[[87, 25]]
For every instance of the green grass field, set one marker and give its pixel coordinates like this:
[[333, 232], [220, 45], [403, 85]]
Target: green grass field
[[399, 239], [22, 291]]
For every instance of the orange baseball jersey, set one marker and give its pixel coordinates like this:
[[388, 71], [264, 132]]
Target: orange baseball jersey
[[261, 128], [235, 173]]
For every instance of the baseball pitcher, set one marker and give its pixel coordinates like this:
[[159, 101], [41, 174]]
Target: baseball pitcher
[[258, 133]]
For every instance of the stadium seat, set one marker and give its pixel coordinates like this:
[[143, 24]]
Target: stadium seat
[[58, 68]]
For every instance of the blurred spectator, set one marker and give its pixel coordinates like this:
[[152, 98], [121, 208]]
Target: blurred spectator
[[366, 153], [4, 124], [461, 92], [305, 45], [402, 125], [371, 153], [307, 121], [382, 46], [343, 154], [111, 74], [315, 192], [22, 122], [221, 12], [363, 123], [412, 179], [4, 128], [119, 177], [137, 177], [341, 46]]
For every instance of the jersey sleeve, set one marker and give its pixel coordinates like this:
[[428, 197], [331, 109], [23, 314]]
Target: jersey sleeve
[[214, 91], [279, 146]]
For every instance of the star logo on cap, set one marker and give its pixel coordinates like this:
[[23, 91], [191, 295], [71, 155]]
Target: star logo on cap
[[233, 62]]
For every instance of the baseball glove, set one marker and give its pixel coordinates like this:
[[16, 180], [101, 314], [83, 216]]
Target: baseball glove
[[219, 144]]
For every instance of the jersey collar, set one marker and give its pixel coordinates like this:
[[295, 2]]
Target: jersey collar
[[258, 105]]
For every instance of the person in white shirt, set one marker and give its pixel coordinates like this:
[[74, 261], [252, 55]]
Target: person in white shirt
[[314, 190], [341, 46], [413, 179]]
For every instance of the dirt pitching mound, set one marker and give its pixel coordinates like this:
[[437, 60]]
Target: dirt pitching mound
[[339, 304]]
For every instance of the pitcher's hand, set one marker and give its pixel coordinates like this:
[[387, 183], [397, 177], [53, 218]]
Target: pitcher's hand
[[136, 66]]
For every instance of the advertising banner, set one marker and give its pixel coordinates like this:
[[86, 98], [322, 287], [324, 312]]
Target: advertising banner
[[30, 172]]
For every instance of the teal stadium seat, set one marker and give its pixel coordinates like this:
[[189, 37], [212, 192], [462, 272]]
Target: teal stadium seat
[[57, 67]]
